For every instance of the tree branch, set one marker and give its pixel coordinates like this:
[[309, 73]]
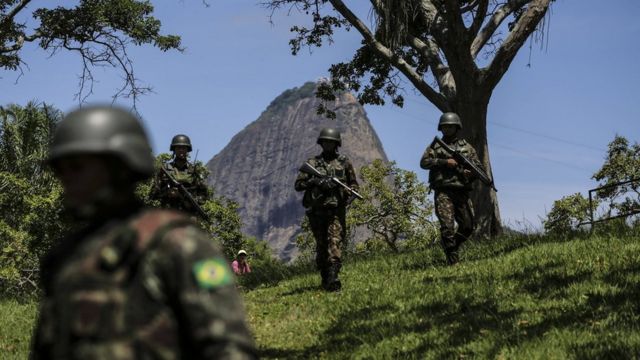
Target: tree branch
[[11, 14], [440, 71], [525, 26], [483, 6], [496, 19], [433, 96]]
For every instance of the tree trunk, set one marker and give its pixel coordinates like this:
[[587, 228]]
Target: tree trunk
[[472, 108]]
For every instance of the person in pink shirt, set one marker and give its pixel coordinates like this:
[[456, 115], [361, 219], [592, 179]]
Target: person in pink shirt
[[240, 265]]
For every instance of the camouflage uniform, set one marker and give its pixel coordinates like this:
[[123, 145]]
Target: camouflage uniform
[[133, 283], [451, 188], [150, 285], [327, 211], [169, 195]]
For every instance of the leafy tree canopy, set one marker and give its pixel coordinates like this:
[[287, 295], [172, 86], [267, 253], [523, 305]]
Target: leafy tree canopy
[[99, 31]]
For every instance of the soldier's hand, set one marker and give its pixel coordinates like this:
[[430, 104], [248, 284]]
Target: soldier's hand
[[451, 163], [173, 193], [466, 172], [314, 181], [327, 183]]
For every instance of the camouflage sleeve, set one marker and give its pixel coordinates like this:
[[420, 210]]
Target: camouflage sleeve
[[429, 159], [302, 178], [201, 288], [473, 156]]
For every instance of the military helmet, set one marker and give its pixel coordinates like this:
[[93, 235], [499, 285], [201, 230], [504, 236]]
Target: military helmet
[[449, 118], [104, 130], [330, 134], [180, 140]]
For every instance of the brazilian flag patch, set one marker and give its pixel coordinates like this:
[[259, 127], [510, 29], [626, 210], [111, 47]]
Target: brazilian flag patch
[[212, 273]]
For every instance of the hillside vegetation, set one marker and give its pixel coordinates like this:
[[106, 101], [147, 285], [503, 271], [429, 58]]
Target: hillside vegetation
[[521, 297]]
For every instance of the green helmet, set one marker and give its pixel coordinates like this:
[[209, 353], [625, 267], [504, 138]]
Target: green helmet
[[449, 118], [180, 140], [330, 134], [104, 130]]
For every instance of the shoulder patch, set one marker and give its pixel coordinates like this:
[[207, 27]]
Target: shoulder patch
[[212, 273]]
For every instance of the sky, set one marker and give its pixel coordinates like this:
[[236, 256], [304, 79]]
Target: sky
[[549, 120]]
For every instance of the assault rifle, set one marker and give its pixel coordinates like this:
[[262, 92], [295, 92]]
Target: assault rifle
[[309, 169], [186, 194], [467, 164]]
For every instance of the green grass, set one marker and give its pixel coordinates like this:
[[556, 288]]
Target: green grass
[[514, 298], [16, 322]]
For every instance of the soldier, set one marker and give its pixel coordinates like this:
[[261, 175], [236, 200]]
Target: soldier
[[451, 184], [133, 283], [326, 204], [181, 170]]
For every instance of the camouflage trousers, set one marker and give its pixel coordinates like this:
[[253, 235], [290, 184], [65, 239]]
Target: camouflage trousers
[[454, 206], [329, 230]]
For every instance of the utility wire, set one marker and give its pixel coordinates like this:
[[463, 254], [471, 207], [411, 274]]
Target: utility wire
[[533, 133], [567, 164]]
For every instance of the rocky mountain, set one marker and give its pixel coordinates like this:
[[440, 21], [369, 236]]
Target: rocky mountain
[[258, 167]]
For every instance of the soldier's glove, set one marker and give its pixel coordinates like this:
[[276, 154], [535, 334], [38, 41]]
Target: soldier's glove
[[173, 193], [314, 181], [327, 183]]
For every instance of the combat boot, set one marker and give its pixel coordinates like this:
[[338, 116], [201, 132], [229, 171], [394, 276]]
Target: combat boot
[[452, 256], [324, 273], [333, 282]]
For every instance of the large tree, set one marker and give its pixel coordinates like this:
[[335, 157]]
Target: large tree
[[99, 31], [454, 52]]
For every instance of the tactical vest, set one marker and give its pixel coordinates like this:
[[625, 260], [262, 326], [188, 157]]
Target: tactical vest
[[445, 177], [316, 197], [186, 177], [91, 313]]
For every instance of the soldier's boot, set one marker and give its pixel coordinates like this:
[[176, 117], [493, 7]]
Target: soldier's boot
[[459, 239], [333, 283], [324, 273], [452, 256]]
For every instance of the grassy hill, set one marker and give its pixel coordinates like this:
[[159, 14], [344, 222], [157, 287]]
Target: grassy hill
[[514, 298], [519, 298]]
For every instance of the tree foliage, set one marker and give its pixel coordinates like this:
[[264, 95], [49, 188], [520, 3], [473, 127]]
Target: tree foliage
[[566, 214], [395, 207], [99, 31], [30, 198], [622, 164]]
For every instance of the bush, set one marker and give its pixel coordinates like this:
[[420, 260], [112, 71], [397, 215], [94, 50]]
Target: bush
[[566, 214]]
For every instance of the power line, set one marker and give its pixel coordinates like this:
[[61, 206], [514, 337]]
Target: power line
[[548, 137], [569, 165], [533, 133]]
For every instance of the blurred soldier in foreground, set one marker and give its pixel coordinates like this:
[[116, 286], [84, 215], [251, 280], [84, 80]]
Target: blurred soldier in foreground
[[326, 201], [134, 283], [451, 182], [178, 185]]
